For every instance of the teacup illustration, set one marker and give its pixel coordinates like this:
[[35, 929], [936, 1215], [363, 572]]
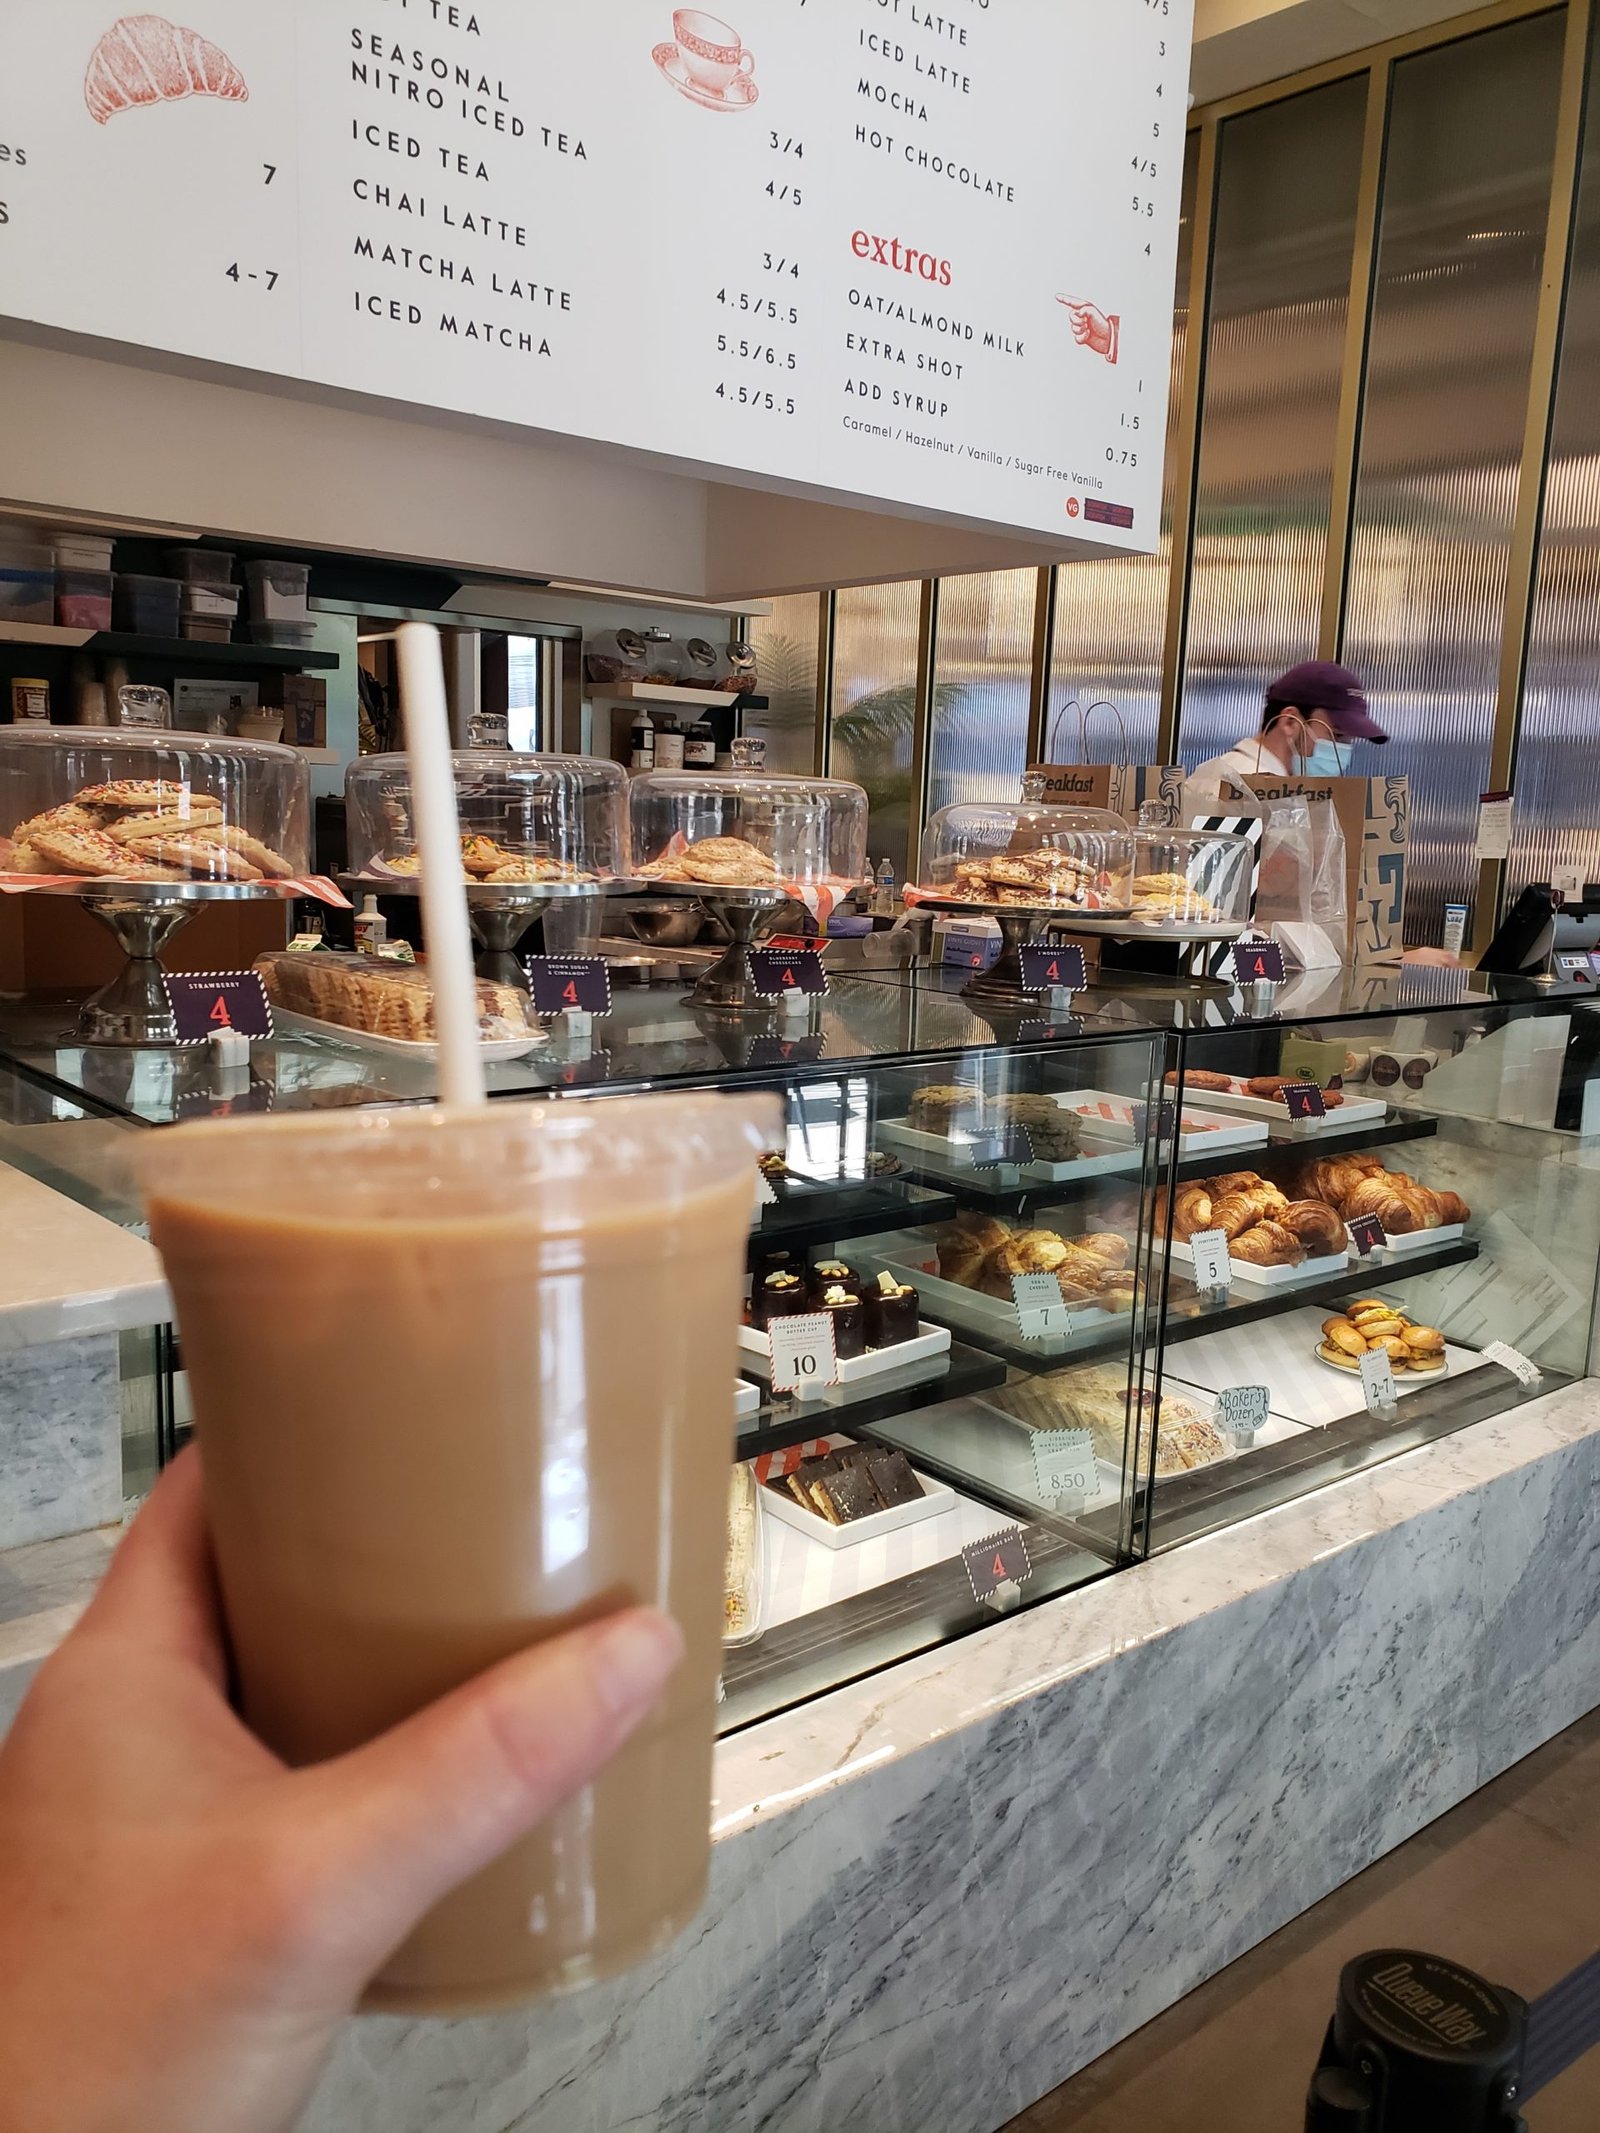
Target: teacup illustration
[[710, 49]]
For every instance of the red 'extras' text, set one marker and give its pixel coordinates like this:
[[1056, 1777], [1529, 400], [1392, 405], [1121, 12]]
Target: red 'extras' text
[[890, 252]]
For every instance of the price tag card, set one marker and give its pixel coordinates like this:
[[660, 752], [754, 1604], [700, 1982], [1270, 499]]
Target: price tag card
[[1035, 1030], [1367, 1234], [993, 1561], [1304, 1100], [765, 1196], [206, 1001], [1040, 1308], [803, 1354], [1494, 825], [1512, 1359], [1064, 1466], [570, 984], [1241, 1411], [1258, 962], [1163, 1121], [1377, 1381], [786, 1051], [778, 972], [1047, 963], [1007, 1144], [1213, 1265], [579, 1073]]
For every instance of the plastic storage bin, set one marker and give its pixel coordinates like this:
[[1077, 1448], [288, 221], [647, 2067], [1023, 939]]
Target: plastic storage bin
[[278, 590], [201, 566], [27, 584], [147, 606], [285, 636], [83, 600], [541, 819], [81, 551]]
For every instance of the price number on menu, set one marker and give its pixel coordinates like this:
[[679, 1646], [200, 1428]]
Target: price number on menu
[[804, 1358], [760, 402], [779, 973], [1047, 966], [1258, 962], [1367, 1234], [1520, 1366], [1304, 1100], [1241, 1410], [1041, 1310], [759, 306], [998, 1559], [763, 352], [1064, 1468], [570, 984], [204, 1003], [1213, 1264], [1377, 1382]]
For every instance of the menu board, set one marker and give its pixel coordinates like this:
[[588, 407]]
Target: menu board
[[919, 254]]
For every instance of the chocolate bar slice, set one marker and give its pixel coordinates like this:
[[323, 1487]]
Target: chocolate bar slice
[[892, 1477], [845, 1495], [808, 1471]]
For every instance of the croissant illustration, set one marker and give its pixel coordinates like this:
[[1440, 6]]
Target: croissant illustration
[[144, 59]]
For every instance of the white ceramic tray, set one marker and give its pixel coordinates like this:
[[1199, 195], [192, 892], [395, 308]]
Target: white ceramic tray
[[755, 1354], [1421, 1240], [746, 1400], [1280, 1352], [1364, 1111], [1271, 1277], [1199, 1130], [285, 1018], [1103, 1155], [905, 1253], [935, 1499]]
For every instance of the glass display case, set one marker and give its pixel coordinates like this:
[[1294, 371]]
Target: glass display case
[[555, 821], [1046, 1298], [1029, 858]]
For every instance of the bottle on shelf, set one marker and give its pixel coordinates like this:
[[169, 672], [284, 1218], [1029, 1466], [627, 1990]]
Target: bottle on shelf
[[372, 928], [883, 894], [700, 746], [642, 742], [669, 744]]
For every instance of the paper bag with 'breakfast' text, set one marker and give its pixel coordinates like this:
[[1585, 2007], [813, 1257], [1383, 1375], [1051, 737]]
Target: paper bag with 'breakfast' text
[[1124, 788], [1375, 816]]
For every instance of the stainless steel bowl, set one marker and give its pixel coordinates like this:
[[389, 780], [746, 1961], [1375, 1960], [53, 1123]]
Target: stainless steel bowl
[[665, 925]]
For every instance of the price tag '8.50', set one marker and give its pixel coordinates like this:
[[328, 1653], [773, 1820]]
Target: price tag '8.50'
[[1064, 1467], [803, 1353]]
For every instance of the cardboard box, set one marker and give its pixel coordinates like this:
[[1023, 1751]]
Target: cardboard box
[[1375, 816]]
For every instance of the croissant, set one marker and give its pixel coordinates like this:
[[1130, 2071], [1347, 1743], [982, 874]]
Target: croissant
[[1268, 1244], [1111, 1250], [1236, 1212], [1191, 1210], [1377, 1196], [1030, 1251], [1319, 1227], [144, 59], [964, 1245], [1452, 1208]]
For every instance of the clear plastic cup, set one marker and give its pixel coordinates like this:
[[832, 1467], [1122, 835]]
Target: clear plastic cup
[[463, 1378]]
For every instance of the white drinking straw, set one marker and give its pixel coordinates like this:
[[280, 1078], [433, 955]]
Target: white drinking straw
[[444, 893]]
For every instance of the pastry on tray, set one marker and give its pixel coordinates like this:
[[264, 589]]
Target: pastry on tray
[[383, 999], [716, 862], [1055, 1134], [978, 1252], [1046, 879], [141, 829], [1371, 1326], [1097, 1399], [1262, 1225], [1360, 1185], [852, 1483], [741, 1597]]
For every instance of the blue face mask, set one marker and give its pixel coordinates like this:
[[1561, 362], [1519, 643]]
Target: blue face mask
[[1329, 759]]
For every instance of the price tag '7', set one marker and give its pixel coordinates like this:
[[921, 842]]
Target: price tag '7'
[[1041, 1310], [803, 1354]]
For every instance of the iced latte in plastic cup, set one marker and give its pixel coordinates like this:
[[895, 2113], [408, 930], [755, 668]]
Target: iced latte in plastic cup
[[462, 1378]]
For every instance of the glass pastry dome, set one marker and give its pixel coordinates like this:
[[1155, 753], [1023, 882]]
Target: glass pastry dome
[[107, 805], [1194, 884], [1029, 857], [719, 832], [555, 821]]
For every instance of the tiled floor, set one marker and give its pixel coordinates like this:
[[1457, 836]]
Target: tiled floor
[[1509, 1884]]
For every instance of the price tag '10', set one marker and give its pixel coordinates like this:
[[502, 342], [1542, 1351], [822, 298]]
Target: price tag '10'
[[804, 1358]]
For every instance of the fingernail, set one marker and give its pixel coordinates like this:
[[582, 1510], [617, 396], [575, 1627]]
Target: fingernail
[[632, 1658]]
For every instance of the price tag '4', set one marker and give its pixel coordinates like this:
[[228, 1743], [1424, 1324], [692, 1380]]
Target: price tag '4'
[[1046, 966], [995, 1560], [1041, 1312], [804, 1358], [1367, 1234], [1064, 1466], [1304, 1100]]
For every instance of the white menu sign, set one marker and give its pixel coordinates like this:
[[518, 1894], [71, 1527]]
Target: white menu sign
[[916, 253]]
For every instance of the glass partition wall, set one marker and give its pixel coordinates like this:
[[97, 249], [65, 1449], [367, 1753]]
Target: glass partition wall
[[1383, 388]]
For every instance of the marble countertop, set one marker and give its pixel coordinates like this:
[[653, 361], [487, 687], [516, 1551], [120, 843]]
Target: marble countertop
[[66, 1271]]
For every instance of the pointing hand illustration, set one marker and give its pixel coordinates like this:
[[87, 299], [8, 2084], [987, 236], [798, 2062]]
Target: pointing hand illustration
[[1092, 328]]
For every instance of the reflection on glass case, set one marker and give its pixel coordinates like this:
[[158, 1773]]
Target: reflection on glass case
[[1113, 1288], [1029, 857], [699, 830], [540, 820]]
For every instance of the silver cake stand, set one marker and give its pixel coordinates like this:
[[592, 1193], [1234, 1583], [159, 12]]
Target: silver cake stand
[[727, 985], [501, 912], [144, 917]]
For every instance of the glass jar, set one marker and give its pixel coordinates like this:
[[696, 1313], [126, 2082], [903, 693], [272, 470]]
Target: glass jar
[[700, 829], [113, 805], [524, 818], [1029, 856], [1197, 883]]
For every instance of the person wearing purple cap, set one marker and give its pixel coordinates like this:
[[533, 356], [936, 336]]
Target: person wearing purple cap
[[1312, 718]]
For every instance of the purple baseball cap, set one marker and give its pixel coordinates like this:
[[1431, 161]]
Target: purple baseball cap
[[1323, 685]]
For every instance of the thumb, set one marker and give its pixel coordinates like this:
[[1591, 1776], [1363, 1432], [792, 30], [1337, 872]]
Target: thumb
[[396, 1825]]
